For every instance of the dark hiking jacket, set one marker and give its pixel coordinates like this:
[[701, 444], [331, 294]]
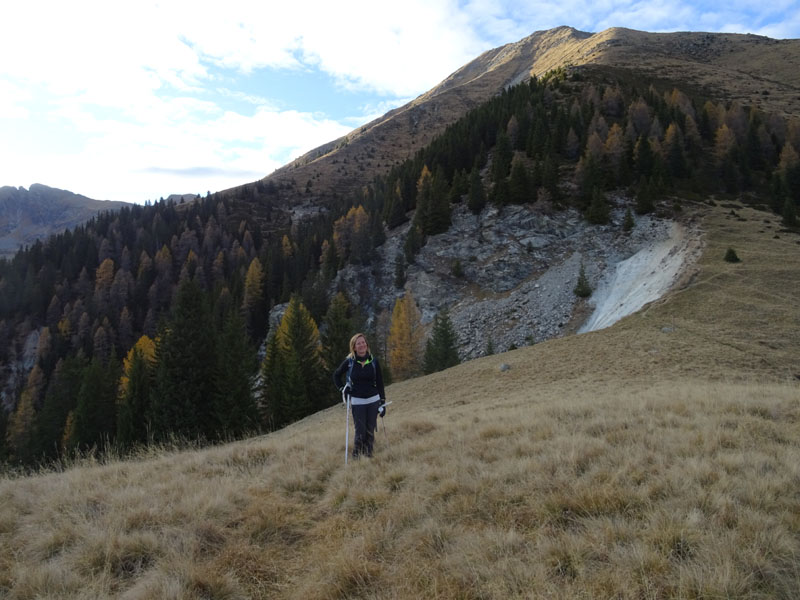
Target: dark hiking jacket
[[365, 378]]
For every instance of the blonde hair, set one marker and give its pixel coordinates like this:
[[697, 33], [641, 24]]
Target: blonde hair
[[353, 344]]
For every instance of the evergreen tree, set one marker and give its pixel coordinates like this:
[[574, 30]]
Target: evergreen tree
[[644, 197], [21, 429], [95, 413], [519, 184], [644, 158], [293, 370], [440, 349], [134, 400], [59, 401], [234, 401], [550, 178], [501, 193], [501, 160], [628, 223], [582, 288], [399, 270], [459, 187], [182, 401], [395, 212], [439, 213], [338, 328], [422, 215], [413, 244], [276, 401], [599, 210], [476, 199]]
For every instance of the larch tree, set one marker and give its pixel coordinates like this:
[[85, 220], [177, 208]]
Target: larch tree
[[405, 342], [134, 392], [253, 307]]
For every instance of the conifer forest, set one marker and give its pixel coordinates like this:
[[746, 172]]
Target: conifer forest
[[146, 322]]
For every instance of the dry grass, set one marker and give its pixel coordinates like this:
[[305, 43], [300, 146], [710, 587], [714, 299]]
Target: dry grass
[[627, 463]]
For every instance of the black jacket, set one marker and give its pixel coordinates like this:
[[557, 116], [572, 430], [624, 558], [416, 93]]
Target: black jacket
[[366, 379]]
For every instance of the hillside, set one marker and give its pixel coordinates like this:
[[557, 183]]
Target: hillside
[[754, 70], [584, 170], [41, 211], [656, 458]]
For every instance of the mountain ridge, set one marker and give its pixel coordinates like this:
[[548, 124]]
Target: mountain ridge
[[734, 67], [27, 215]]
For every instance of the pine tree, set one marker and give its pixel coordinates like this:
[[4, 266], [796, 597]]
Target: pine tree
[[644, 197], [405, 339], [628, 223], [422, 215], [399, 271], [185, 360], [582, 288], [440, 350], [21, 428], [275, 400], [95, 413], [519, 183], [644, 158], [396, 209], [413, 244], [60, 399], [134, 400], [439, 214], [599, 210], [476, 199], [293, 373], [337, 329], [501, 160], [234, 401]]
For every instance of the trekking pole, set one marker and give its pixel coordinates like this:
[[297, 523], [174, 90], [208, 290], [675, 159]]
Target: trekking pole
[[346, 400], [385, 435]]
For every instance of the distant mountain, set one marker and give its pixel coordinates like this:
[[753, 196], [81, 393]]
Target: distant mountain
[[37, 213]]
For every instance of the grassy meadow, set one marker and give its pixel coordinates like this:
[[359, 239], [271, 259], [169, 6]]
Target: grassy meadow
[[659, 458]]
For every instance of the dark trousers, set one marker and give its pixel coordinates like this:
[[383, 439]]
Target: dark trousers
[[365, 417]]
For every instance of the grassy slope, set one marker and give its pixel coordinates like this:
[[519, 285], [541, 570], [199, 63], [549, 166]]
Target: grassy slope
[[633, 462]]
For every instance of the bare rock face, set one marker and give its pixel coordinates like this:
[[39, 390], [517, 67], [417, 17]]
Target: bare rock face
[[504, 276]]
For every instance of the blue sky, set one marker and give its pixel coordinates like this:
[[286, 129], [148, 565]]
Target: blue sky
[[138, 100]]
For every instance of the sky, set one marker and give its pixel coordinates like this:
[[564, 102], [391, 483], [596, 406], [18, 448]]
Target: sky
[[134, 101]]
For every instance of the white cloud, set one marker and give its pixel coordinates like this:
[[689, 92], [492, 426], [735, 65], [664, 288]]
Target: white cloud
[[125, 101]]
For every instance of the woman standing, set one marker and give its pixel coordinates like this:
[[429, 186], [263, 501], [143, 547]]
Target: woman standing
[[364, 383]]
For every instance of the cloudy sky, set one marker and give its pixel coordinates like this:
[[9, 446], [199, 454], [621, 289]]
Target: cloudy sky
[[138, 100]]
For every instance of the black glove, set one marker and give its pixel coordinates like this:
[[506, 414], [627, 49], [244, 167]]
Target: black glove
[[382, 409]]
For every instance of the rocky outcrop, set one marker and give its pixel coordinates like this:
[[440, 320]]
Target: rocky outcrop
[[506, 276]]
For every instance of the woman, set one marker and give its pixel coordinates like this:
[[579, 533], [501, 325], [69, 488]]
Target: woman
[[364, 383]]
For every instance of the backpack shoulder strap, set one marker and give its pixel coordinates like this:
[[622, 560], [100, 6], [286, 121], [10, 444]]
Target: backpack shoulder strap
[[351, 363]]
